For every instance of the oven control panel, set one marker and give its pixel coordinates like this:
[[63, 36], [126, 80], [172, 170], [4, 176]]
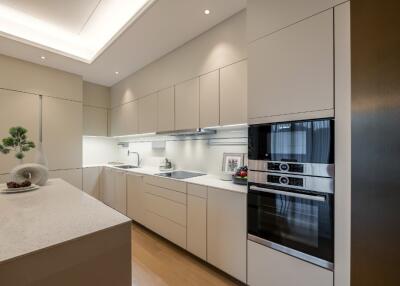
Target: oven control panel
[[285, 167], [285, 180]]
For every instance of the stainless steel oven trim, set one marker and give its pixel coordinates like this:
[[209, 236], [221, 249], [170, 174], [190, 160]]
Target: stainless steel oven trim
[[289, 194], [310, 169], [316, 184], [292, 252]]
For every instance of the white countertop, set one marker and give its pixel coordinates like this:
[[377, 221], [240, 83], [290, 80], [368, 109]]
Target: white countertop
[[205, 180], [51, 215]]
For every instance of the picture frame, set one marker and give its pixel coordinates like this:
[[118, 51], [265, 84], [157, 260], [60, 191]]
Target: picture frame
[[232, 161]]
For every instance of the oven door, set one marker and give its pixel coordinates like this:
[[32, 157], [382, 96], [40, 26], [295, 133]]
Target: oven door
[[309, 141], [298, 223]]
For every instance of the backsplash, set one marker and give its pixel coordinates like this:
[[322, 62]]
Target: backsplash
[[198, 153]]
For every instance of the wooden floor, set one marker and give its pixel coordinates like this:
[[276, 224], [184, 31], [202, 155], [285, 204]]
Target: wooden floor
[[156, 261]]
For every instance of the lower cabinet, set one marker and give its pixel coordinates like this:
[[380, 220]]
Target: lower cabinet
[[197, 220], [267, 266], [72, 176], [226, 232], [91, 181], [113, 189], [135, 198]]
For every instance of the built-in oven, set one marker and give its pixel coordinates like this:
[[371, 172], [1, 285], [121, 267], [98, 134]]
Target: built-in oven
[[290, 202]]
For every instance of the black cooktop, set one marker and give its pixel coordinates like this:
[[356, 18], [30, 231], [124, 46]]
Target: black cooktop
[[180, 175]]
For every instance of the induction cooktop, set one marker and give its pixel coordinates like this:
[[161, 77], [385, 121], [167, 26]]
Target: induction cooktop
[[180, 175]]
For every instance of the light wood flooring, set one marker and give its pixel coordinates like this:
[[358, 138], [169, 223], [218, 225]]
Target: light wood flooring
[[155, 261]]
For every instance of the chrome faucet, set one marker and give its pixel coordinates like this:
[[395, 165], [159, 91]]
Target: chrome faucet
[[138, 157]]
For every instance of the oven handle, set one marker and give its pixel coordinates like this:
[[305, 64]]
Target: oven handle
[[289, 194]]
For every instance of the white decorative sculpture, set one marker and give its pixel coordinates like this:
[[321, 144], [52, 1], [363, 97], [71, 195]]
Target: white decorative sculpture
[[35, 173]]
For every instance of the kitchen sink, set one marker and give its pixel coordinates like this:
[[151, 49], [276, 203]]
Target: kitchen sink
[[126, 167]]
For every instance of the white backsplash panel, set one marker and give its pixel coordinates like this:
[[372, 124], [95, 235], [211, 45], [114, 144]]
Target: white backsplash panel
[[198, 153], [99, 150]]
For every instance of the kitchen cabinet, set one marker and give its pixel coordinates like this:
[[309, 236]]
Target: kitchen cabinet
[[96, 95], [209, 99], [226, 231], [91, 181], [267, 16], [291, 72], [233, 96], [197, 220], [72, 176], [147, 111], [18, 109], [62, 133], [187, 105], [166, 110], [94, 121], [165, 208], [267, 266], [135, 198], [113, 189], [124, 119]]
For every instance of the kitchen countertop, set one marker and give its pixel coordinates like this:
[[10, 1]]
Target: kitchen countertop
[[54, 214], [206, 180]]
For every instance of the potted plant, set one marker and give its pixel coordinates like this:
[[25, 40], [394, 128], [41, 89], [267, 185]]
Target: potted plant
[[17, 142]]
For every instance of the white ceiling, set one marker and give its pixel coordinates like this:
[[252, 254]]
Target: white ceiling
[[164, 26]]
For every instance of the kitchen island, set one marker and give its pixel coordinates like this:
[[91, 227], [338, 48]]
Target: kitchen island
[[58, 235]]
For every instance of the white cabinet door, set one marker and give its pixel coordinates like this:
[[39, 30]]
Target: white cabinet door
[[187, 105], [91, 181], [233, 97], [209, 99], [18, 109], [267, 16], [107, 186], [226, 231], [291, 71], [147, 110], [94, 121], [72, 176], [62, 133], [124, 119], [267, 266], [197, 226], [135, 198], [119, 199], [166, 110]]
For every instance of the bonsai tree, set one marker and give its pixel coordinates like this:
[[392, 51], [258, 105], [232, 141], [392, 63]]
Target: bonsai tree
[[18, 142]]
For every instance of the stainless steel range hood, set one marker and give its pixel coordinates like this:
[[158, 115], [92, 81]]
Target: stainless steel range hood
[[188, 132]]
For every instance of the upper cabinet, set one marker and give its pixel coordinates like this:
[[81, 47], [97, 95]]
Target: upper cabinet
[[62, 133], [147, 111], [291, 72], [96, 95], [166, 110], [94, 121], [209, 99], [18, 109], [124, 119], [187, 105], [267, 16], [233, 94]]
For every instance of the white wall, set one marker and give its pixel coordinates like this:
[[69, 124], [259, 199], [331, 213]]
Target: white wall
[[99, 150], [196, 155]]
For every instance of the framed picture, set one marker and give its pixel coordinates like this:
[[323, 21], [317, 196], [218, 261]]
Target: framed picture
[[232, 161]]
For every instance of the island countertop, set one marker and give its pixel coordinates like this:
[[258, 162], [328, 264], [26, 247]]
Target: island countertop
[[54, 214]]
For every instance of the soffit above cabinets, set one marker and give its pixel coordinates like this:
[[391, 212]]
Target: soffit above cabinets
[[96, 38]]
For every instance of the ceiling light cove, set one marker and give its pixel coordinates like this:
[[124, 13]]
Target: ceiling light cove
[[102, 26]]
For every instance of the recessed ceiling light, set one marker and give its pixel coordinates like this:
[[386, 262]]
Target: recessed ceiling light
[[117, 72], [43, 57], [206, 11]]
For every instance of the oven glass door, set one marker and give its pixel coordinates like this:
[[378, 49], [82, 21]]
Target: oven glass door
[[300, 141], [300, 221]]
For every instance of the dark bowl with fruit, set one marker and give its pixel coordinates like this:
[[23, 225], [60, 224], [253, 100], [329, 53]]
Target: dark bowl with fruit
[[240, 176]]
